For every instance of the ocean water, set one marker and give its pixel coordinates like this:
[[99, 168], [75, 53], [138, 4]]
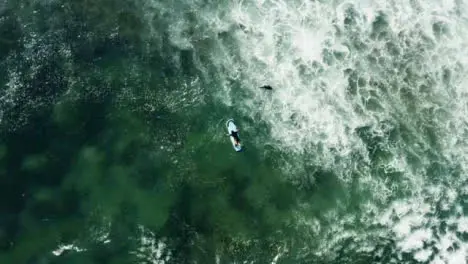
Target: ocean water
[[113, 144]]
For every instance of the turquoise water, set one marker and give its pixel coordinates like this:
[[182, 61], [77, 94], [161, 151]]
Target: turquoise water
[[114, 146]]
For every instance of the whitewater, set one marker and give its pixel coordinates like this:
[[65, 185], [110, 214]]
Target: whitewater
[[367, 120], [372, 91]]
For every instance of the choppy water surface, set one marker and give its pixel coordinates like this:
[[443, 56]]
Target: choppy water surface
[[113, 146]]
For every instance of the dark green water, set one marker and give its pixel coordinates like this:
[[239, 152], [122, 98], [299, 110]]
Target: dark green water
[[112, 122], [89, 140]]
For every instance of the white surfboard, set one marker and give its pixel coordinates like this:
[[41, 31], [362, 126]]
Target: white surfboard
[[232, 127]]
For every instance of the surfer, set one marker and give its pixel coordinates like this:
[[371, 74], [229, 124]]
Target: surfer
[[235, 136], [266, 87]]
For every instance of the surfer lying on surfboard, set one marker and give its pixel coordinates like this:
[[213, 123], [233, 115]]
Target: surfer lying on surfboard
[[235, 136]]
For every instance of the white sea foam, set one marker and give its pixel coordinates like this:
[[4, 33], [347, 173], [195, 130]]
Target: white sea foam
[[285, 46], [409, 58], [63, 248], [151, 249]]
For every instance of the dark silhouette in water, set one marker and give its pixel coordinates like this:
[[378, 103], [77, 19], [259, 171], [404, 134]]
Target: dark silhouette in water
[[235, 136], [266, 87]]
